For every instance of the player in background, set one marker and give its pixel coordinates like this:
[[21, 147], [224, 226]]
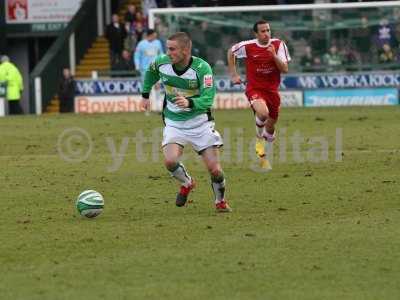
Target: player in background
[[189, 95], [265, 59]]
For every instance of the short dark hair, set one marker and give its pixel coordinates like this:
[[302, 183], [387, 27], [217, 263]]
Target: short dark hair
[[150, 31], [182, 38], [255, 26]]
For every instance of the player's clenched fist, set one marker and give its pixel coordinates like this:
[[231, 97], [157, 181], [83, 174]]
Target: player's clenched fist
[[181, 101], [144, 104]]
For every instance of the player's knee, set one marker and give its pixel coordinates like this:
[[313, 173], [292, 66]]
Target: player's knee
[[215, 171], [170, 163], [264, 117]]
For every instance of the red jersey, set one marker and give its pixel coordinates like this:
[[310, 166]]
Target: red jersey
[[261, 70]]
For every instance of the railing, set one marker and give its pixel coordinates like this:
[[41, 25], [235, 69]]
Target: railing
[[118, 74], [66, 51], [358, 30], [345, 67]]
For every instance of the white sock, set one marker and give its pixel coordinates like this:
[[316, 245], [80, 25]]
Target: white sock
[[181, 175], [259, 127], [269, 137]]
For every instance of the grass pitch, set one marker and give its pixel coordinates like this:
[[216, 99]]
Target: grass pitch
[[324, 224]]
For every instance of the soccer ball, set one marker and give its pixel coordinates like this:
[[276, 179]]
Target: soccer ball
[[90, 203]]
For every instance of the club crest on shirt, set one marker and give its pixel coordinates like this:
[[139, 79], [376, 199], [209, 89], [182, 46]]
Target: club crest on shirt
[[208, 81]]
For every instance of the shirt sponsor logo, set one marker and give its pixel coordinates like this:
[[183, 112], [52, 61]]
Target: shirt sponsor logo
[[193, 84], [208, 81]]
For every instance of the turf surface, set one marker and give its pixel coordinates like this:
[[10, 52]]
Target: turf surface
[[324, 224]]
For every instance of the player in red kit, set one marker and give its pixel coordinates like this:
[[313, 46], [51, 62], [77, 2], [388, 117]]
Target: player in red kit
[[265, 58]]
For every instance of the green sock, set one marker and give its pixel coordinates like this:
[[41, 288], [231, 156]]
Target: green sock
[[218, 186], [179, 172]]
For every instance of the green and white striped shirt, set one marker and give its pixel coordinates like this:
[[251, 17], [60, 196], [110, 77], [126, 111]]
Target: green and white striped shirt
[[196, 83]]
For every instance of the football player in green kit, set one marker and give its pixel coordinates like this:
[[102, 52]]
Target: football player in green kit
[[189, 95]]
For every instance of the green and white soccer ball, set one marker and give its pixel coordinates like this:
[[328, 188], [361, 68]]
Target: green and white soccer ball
[[90, 204]]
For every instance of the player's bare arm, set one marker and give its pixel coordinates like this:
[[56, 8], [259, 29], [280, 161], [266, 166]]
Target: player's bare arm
[[282, 66], [235, 77]]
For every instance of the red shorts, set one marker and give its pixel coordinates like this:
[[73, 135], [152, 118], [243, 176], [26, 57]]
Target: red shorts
[[271, 99]]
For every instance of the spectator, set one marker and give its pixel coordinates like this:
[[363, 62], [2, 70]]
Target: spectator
[[146, 51], [361, 37], [385, 34], [317, 64], [397, 34], [66, 92], [306, 61], [139, 31], [200, 45], [115, 33], [125, 65], [351, 58], [386, 55], [139, 21], [146, 5], [162, 3], [131, 41], [333, 59], [162, 33], [130, 15], [398, 54], [220, 68], [10, 74], [318, 37]]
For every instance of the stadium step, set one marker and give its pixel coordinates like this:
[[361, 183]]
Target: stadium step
[[54, 106], [97, 50], [93, 67], [96, 58], [83, 74], [102, 55]]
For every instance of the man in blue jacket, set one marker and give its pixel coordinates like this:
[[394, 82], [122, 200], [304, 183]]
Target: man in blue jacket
[[146, 51]]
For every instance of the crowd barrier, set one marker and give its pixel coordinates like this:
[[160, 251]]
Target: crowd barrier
[[339, 89]]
